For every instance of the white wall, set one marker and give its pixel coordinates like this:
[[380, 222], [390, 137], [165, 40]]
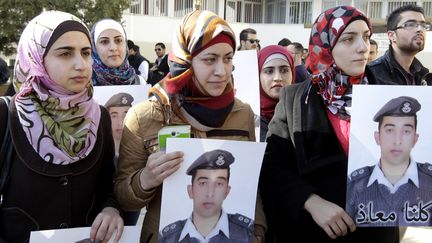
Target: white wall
[[146, 31]]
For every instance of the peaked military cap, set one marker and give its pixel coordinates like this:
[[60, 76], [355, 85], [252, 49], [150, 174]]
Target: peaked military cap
[[400, 106], [215, 159], [120, 99]]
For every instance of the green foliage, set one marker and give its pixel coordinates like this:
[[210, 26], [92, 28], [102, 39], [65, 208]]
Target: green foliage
[[15, 14]]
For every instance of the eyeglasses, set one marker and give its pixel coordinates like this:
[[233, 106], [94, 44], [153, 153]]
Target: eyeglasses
[[158, 49], [253, 41], [413, 25]]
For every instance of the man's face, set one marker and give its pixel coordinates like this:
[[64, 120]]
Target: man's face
[[406, 39], [251, 42], [160, 52], [373, 52], [131, 52], [208, 191], [396, 137], [297, 56], [117, 114]]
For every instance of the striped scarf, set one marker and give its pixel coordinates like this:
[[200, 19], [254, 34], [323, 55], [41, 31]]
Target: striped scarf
[[198, 30]]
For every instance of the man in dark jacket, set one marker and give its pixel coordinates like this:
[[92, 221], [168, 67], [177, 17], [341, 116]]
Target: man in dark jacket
[[406, 30], [137, 61]]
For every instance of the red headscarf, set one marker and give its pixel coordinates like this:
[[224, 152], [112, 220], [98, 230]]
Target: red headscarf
[[331, 81], [268, 104]]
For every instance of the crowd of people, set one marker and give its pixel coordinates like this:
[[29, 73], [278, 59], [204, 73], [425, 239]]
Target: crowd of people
[[65, 169]]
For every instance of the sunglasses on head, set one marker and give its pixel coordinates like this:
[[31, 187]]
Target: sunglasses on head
[[253, 41]]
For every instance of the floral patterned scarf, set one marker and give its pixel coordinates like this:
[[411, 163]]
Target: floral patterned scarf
[[334, 86], [198, 30], [60, 125], [102, 74]]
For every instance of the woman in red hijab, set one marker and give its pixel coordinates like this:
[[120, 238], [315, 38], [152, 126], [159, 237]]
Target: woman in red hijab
[[199, 92], [304, 173], [276, 70]]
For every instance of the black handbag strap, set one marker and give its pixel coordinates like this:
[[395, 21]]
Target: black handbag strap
[[5, 151]]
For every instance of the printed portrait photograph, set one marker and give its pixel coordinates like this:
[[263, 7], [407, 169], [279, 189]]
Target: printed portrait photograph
[[390, 156], [212, 195]]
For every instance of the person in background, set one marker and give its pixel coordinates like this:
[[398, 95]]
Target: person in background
[[160, 68], [61, 173], [285, 42], [406, 30], [138, 62], [373, 53], [199, 92], [248, 40], [110, 64], [276, 70], [304, 172], [296, 50]]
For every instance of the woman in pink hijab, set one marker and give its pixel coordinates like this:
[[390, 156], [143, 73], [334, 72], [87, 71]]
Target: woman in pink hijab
[[62, 155]]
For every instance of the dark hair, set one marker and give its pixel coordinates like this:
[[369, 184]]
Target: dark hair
[[284, 42], [130, 44], [244, 33], [4, 71], [373, 42], [160, 44], [382, 118], [195, 172], [299, 47], [395, 16]]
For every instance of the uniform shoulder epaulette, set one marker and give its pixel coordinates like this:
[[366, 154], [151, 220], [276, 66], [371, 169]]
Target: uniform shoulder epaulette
[[425, 167], [361, 173], [241, 220], [173, 228]]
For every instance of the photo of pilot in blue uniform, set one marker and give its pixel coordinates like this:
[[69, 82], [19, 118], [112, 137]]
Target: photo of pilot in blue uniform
[[397, 189], [208, 222]]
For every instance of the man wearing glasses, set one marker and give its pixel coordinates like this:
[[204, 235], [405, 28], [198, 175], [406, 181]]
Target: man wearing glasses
[[160, 68], [406, 30], [248, 39]]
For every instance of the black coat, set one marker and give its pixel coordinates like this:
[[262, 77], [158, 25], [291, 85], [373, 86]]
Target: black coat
[[388, 71], [303, 156], [42, 196]]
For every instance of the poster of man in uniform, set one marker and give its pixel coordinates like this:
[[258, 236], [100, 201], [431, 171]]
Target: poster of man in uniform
[[211, 198], [117, 99], [389, 169]]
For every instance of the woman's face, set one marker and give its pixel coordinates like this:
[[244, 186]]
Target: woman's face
[[352, 48], [111, 48], [69, 62], [274, 75], [213, 67]]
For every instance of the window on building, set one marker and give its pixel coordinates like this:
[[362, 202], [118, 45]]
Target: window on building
[[182, 7], [275, 11], [371, 9], [392, 5], [210, 5], [427, 6], [300, 12], [326, 4], [135, 7], [252, 11], [248, 11]]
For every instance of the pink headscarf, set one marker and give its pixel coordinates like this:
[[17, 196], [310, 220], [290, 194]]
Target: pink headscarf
[[60, 125], [267, 103]]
